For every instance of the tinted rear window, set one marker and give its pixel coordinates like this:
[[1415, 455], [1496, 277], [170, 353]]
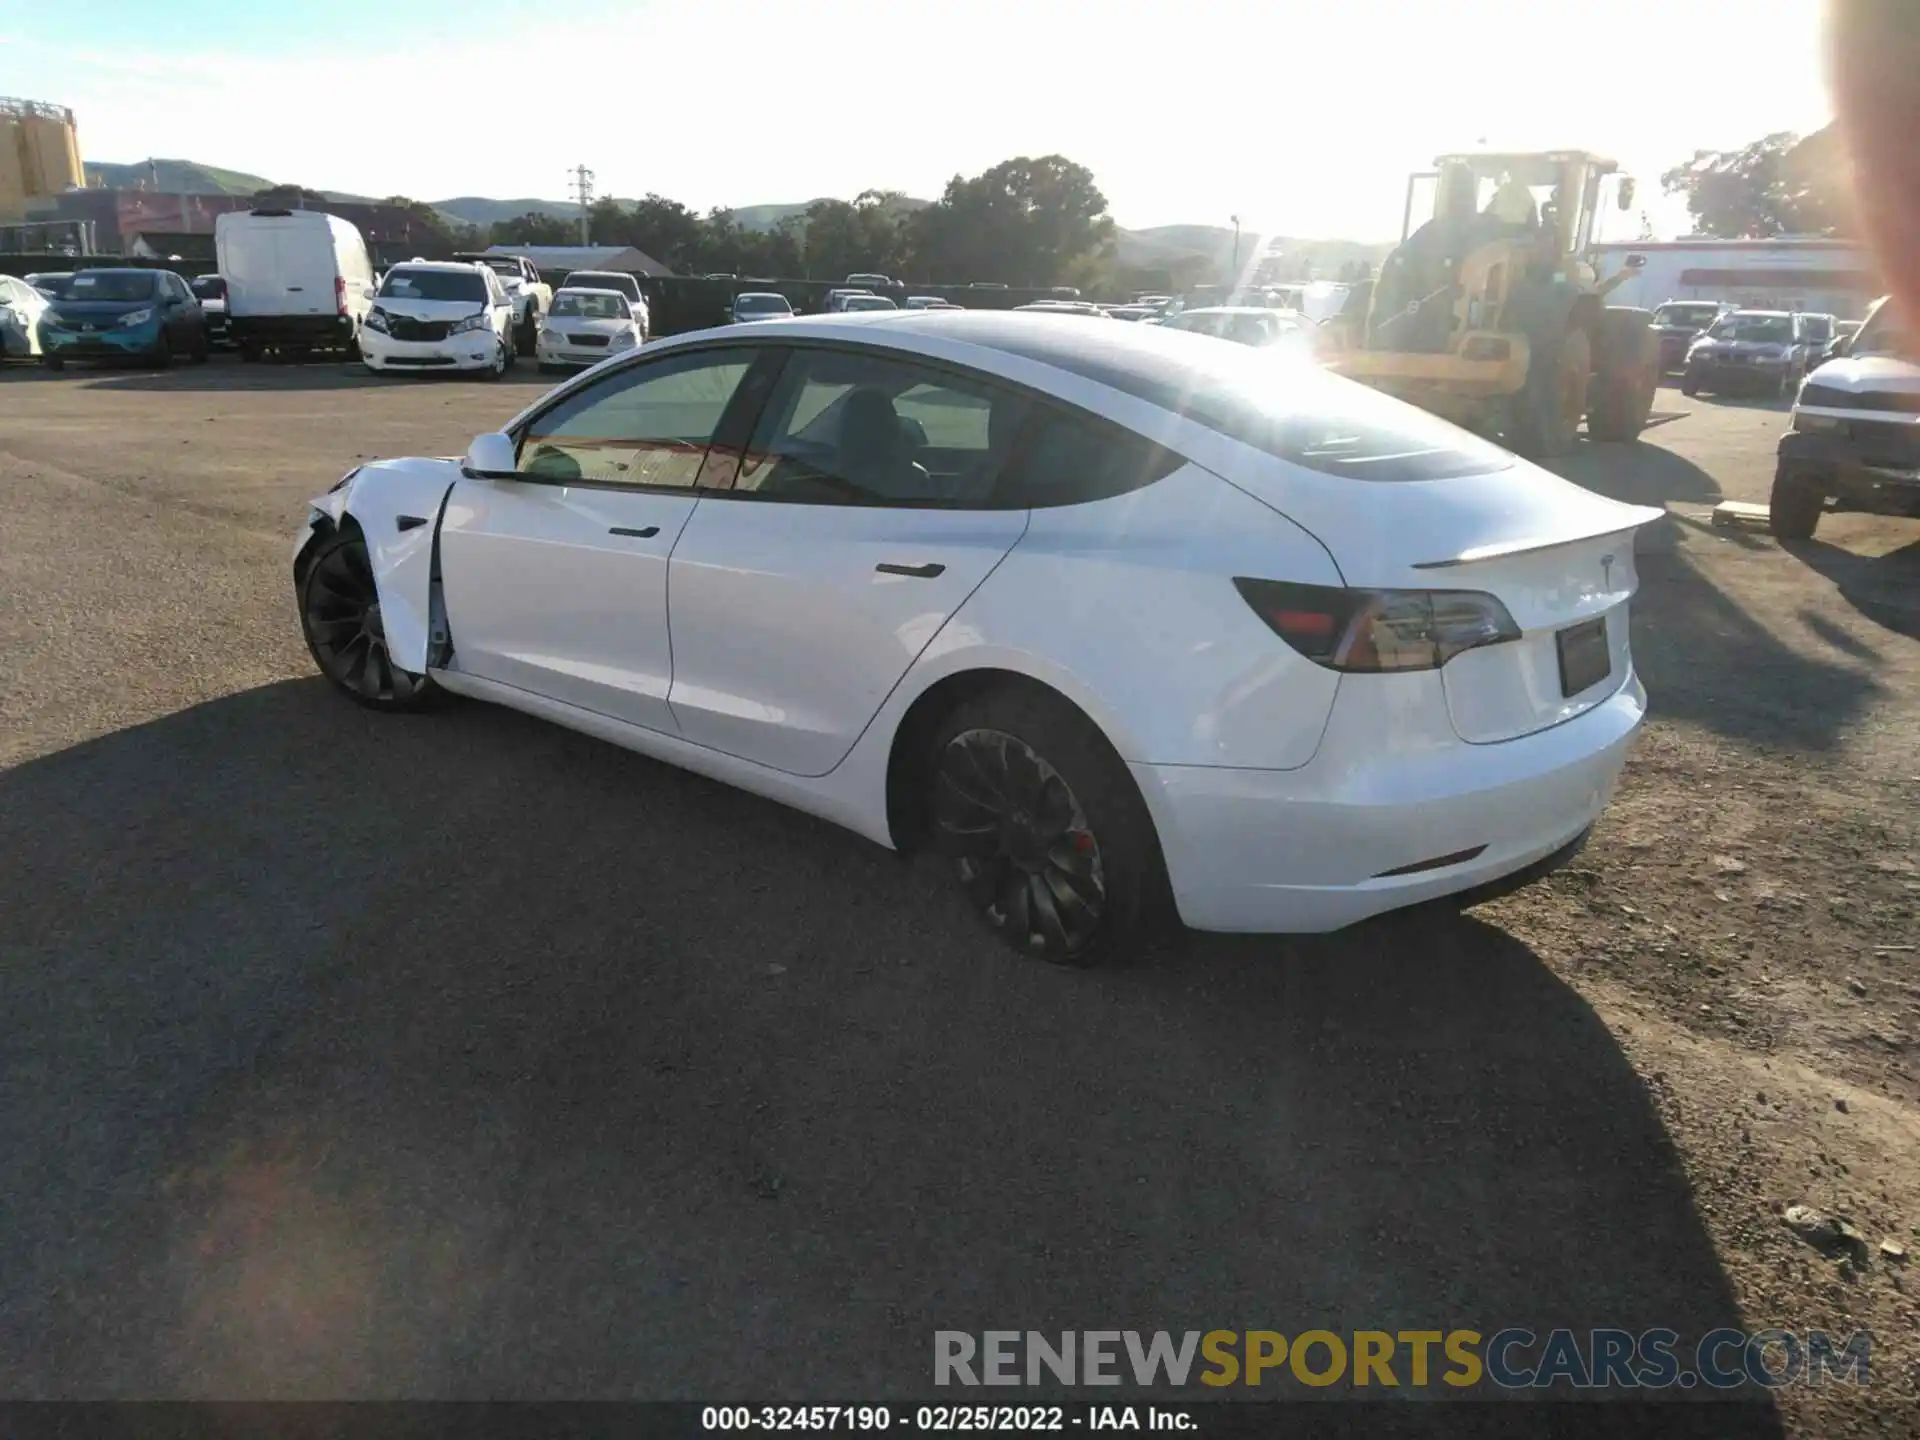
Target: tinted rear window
[[1275, 402], [603, 280], [210, 287]]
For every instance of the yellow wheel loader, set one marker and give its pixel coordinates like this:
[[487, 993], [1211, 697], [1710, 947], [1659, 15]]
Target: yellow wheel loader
[[1492, 313]]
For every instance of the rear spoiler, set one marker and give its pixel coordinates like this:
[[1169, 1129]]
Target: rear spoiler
[[1642, 515]]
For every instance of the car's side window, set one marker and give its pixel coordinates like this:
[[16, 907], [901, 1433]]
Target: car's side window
[[649, 425], [864, 429], [1068, 458]]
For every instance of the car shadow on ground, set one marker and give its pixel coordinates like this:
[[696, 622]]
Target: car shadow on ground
[[1704, 656], [1884, 588], [1638, 474], [460, 1055]]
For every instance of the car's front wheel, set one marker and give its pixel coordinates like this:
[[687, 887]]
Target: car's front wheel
[[1045, 829], [340, 616], [1794, 508]]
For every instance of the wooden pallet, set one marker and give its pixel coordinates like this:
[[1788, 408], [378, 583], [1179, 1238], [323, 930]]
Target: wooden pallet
[[1739, 515]]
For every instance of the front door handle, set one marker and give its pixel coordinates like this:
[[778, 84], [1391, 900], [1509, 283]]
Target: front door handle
[[918, 572], [645, 533]]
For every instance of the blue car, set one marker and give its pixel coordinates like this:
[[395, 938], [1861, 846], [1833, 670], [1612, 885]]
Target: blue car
[[147, 315]]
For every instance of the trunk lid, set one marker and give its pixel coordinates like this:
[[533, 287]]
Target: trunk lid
[[1556, 555]]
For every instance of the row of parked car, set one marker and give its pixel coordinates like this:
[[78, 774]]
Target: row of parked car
[[1718, 347]]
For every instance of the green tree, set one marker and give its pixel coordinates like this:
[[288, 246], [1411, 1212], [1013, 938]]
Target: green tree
[[1027, 221], [426, 227], [535, 228], [1778, 185], [290, 197]]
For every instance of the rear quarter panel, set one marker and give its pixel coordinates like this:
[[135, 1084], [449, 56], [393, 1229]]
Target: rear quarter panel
[[1127, 606]]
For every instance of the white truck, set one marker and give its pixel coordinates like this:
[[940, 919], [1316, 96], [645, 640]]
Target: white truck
[[532, 297], [297, 281]]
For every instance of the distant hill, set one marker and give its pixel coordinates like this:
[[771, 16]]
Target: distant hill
[[1157, 247], [174, 177], [478, 210], [1162, 246]]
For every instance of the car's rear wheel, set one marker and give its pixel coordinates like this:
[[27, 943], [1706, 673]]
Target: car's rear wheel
[[340, 616], [527, 336], [162, 354], [1047, 834]]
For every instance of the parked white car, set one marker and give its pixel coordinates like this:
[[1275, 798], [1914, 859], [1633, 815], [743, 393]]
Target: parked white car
[[759, 305], [532, 297], [623, 283], [584, 327], [1249, 325], [439, 315], [1102, 613], [21, 307]]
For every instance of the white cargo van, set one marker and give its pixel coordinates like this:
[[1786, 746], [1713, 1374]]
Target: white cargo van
[[296, 280]]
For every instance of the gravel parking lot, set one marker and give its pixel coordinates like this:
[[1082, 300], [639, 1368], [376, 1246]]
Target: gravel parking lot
[[460, 1055]]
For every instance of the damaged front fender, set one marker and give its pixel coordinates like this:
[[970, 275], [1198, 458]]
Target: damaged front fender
[[396, 505]]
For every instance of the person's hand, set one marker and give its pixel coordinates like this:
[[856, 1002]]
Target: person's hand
[[1876, 91]]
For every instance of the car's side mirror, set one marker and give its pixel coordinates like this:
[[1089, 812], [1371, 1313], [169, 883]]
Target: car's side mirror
[[491, 457]]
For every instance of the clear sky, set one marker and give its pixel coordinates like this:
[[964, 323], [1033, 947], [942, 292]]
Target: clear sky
[[1302, 118]]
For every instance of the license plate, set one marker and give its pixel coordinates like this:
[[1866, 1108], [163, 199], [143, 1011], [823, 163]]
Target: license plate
[[1585, 658]]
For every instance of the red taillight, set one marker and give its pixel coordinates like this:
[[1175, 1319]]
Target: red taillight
[[1370, 631], [340, 293]]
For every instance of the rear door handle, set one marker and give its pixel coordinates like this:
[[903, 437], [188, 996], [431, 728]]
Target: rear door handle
[[646, 533], [918, 572]]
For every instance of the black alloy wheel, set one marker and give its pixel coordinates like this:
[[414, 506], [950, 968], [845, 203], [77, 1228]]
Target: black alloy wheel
[[340, 613], [1026, 855]]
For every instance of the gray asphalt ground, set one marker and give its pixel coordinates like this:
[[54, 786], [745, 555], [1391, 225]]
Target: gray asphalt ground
[[343, 1055]]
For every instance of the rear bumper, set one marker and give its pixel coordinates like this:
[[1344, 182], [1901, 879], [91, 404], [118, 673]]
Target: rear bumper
[[1308, 850], [317, 332], [1834, 465]]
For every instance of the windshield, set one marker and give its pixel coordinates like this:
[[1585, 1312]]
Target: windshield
[[1762, 329], [762, 305], [1884, 333], [588, 306], [210, 287], [869, 302], [1694, 315], [599, 280], [509, 268], [108, 285], [1818, 328], [434, 285]]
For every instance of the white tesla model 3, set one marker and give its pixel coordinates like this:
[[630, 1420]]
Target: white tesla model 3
[[1110, 615]]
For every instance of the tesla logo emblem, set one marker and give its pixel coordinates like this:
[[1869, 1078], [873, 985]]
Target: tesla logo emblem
[[1606, 571]]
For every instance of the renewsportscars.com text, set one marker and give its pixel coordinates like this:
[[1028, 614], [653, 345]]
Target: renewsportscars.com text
[[1510, 1359]]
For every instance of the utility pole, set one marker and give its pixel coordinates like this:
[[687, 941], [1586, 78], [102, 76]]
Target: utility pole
[[1236, 248], [583, 192]]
